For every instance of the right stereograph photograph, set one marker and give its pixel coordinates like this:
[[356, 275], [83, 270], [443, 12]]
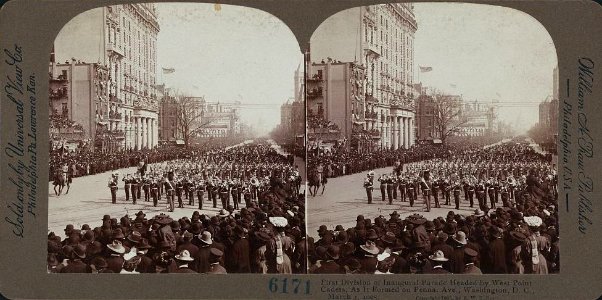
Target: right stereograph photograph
[[431, 142]]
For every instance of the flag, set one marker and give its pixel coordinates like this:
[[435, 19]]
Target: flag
[[168, 70], [425, 69]]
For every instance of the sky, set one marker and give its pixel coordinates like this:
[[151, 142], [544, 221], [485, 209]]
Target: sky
[[488, 53], [227, 54]]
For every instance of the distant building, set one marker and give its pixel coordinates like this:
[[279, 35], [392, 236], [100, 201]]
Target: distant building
[[122, 39], [480, 119], [425, 118], [219, 120]]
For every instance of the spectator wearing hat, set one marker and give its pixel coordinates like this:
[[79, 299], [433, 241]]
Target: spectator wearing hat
[[215, 256], [240, 260], [99, 265], [187, 244], [497, 251], [75, 264], [183, 259], [442, 245], [147, 264], [438, 259], [130, 265], [470, 256], [456, 259], [369, 260], [516, 265], [329, 264], [202, 258], [115, 259]]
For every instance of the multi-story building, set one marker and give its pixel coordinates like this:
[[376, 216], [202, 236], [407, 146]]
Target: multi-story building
[[380, 39], [78, 97], [219, 120], [480, 119], [168, 120], [122, 38]]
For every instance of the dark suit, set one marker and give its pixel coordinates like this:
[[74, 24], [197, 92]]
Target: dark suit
[[497, 252], [456, 260], [146, 265], [240, 256], [201, 260], [368, 264], [76, 266], [330, 267], [400, 266], [115, 263], [183, 269], [217, 269], [471, 269], [437, 270]]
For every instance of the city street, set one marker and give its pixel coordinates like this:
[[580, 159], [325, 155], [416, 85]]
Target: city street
[[89, 199], [345, 198]]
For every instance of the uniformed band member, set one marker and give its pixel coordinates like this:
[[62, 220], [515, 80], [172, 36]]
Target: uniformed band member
[[369, 185], [113, 187]]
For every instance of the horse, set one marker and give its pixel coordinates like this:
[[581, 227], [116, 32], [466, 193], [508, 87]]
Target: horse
[[61, 180]]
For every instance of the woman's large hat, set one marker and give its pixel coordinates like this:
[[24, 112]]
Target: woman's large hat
[[370, 247], [438, 256], [184, 256], [116, 247]]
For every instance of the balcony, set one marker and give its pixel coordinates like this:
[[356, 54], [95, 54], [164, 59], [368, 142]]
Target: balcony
[[372, 49], [314, 93], [371, 115], [112, 49], [57, 93], [315, 77]]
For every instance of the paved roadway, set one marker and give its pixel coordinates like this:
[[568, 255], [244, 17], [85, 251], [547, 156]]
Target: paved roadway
[[345, 198], [89, 199]]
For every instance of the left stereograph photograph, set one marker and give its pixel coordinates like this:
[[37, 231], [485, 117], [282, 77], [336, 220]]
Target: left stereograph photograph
[[176, 147]]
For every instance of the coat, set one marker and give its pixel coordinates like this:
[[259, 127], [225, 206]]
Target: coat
[[330, 267], [216, 268], [76, 266], [115, 263], [497, 253], [471, 269], [240, 256], [201, 260]]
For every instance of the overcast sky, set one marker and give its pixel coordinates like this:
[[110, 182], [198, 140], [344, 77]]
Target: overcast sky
[[231, 54], [488, 52]]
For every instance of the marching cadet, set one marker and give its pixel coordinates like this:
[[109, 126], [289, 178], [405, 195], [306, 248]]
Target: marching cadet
[[246, 190], [383, 186], [179, 189], [402, 187], [154, 187], [138, 182], [224, 194], [146, 188], [389, 181], [234, 193], [369, 185], [434, 190], [425, 184], [190, 188], [505, 195], [170, 191], [200, 190], [491, 194], [113, 187], [457, 190], [214, 192], [446, 187], [480, 192], [127, 184], [395, 183], [471, 192], [133, 189], [410, 187]]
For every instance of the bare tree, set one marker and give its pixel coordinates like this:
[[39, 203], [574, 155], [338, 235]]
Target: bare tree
[[448, 116], [190, 117]]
